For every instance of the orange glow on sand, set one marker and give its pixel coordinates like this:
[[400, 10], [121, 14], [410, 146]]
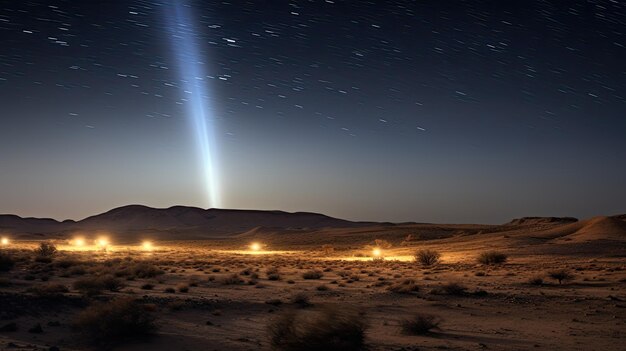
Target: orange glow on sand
[[4, 241], [376, 252], [255, 247]]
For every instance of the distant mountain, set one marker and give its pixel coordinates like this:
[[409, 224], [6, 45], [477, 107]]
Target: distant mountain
[[178, 222]]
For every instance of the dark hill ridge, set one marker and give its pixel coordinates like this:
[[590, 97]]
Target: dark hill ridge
[[176, 219]]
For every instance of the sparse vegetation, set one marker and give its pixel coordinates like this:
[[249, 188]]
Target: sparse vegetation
[[454, 289], [420, 324], [91, 286], [46, 249], [312, 274], [108, 323], [492, 257], [561, 275], [326, 329], [232, 279], [427, 257], [405, 286]]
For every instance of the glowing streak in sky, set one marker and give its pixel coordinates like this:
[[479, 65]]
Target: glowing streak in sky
[[191, 70]]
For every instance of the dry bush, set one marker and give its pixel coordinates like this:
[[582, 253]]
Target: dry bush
[[561, 275], [146, 270], [6, 262], [48, 290], [427, 257], [454, 289], [312, 274], [46, 250], [535, 281], [232, 279], [109, 323], [301, 299], [420, 324], [183, 288], [66, 262], [406, 286], [329, 329], [492, 257], [94, 285]]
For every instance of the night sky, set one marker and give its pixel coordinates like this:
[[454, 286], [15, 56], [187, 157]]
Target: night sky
[[439, 111]]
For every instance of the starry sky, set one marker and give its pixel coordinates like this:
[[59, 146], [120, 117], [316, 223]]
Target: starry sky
[[439, 111]]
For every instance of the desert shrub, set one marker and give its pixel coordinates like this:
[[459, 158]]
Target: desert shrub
[[420, 324], [146, 270], [6, 262], [322, 288], [183, 288], [108, 323], [326, 329], [301, 299], [48, 289], [46, 250], [232, 279], [66, 262], [273, 276], [427, 257], [94, 285], [406, 286], [561, 275], [535, 281], [312, 274], [147, 286], [454, 289], [492, 257]]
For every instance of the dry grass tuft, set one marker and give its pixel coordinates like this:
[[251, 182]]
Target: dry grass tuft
[[420, 324], [492, 257], [407, 286], [325, 329], [427, 257], [312, 274], [561, 275], [109, 323]]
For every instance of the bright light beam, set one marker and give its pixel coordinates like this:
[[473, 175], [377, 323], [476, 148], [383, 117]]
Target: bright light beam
[[191, 70]]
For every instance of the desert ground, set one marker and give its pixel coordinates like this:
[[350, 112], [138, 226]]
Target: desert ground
[[489, 287]]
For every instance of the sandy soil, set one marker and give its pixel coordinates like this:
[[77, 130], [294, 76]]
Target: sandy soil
[[497, 307]]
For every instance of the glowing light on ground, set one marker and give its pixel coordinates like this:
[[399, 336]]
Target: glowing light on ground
[[256, 247], [147, 246], [377, 253], [78, 242], [184, 44], [4, 241], [103, 243]]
